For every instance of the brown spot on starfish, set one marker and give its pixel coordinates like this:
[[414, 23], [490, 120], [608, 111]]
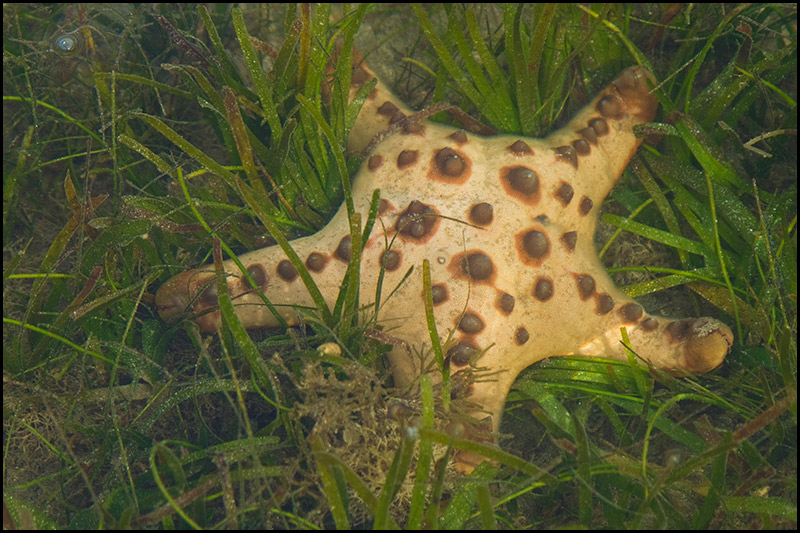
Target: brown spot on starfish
[[507, 226]]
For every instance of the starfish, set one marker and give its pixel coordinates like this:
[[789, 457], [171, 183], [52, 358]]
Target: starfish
[[507, 226]]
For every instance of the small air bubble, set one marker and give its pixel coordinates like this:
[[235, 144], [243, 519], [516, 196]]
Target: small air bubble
[[67, 43]]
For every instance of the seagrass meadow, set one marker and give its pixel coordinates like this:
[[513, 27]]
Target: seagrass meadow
[[146, 140]]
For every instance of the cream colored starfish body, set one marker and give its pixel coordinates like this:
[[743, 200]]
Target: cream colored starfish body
[[507, 226]]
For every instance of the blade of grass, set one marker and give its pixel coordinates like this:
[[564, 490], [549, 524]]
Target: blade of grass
[[542, 16], [417, 507], [490, 452], [654, 234], [398, 471], [240, 134], [333, 493], [263, 88], [466, 495], [337, 148], [162, 451], [501, 120], [191, 150]]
